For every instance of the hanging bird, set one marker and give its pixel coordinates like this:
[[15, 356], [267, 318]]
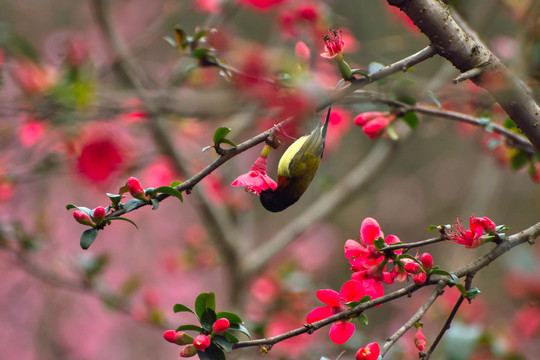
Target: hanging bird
[[296, 169]]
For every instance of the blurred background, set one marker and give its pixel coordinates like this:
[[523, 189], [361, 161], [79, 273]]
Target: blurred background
[[73, 128]]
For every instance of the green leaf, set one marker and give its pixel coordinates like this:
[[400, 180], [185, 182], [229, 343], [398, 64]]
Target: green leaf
[[200, 53], [204, 301], [81, 208], [132, 205], [392, 133], [115, 199], [123, 218], [409, 256], [379, 243], [88, 237], [472, 293], [363, 319], [222, 343], [189, 327], [230, 337], [233, 318], [211, 353], [220, 134], [240, 328], [227, 141], [462, 290], [181, 308], [208, 319], [407, 99], [175, 183], [169, 190], [432, 227], [519, 160], [155, 203], [410, 119]]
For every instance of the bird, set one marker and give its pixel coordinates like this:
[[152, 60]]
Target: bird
[[296, 169]]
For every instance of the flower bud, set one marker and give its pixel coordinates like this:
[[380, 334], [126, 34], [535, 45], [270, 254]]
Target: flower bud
[[135, 188], [220, 325], [188, 351], [412, 267], [201, 342], [169, 336], [426, 260], [420, 278], [489, 225], [99, 214], [83, 218], [420, 340]]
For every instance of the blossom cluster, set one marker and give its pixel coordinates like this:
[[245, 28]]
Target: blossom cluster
[[200, 343]]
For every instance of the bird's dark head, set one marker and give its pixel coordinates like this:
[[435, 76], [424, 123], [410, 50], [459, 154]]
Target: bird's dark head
[[278, 200]]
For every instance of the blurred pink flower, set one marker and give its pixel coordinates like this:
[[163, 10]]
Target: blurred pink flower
[[31, 132], [99, 158], [31, 78], [342, 330], [339, 124], [527, 321], [260, 5], [293, 348], [208, 6]]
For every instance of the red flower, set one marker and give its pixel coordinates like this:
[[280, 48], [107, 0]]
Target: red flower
[[420, 278], [256, 180], [369, 352], [373, 123], [201, 342], [99, 158], [333, 44], [420, 340], [342, 330], [471, 238]]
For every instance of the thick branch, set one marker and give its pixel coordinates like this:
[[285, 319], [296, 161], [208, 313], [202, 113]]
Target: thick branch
[[434, 19]]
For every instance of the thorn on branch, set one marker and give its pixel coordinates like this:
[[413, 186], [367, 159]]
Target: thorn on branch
[[469, 74]]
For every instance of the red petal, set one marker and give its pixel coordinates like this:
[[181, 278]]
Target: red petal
[[328, 297], [370, 230], [341, 331], [318, 314], [352, 290]]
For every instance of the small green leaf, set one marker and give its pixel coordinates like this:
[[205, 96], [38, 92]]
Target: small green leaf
[[124, 219], [205, 301], [220, 134], [509, 124], [472, 293], [519, 160], [233, 318], [155, 203], [207, 147], [363, 319], [81, 208], [462, 290], [432, 227], [222, 343], [227, 141], [392, 133], [115, 199], [352, 304], [170, 191], [70, 206], [181, 308], [200, 53], [175, 183], [211, 353], [189, 327], [124, 189], [379, 243], [88, 237], [410, 119], [407, 99], [240, 328]]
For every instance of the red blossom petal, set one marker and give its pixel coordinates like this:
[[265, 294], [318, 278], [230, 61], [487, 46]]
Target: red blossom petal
[[369, 352], [373, 288], [341, 331], [370, 230], [354, 249], [328, 297], [352, 290], [318, 313]]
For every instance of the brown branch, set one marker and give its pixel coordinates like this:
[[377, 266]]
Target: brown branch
[[434, 19]]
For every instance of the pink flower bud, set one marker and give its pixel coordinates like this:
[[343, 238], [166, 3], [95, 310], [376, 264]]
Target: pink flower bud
[[488, 224], [420, 278], [201, 342], [135, 188], [188, 351], [420, 340], [169, 335], [427, 260], [412, 267], [302, 51], [83, 218], [221, 325], [99, 214]]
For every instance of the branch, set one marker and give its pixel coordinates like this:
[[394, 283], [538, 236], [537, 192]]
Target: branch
[[434, 19]]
